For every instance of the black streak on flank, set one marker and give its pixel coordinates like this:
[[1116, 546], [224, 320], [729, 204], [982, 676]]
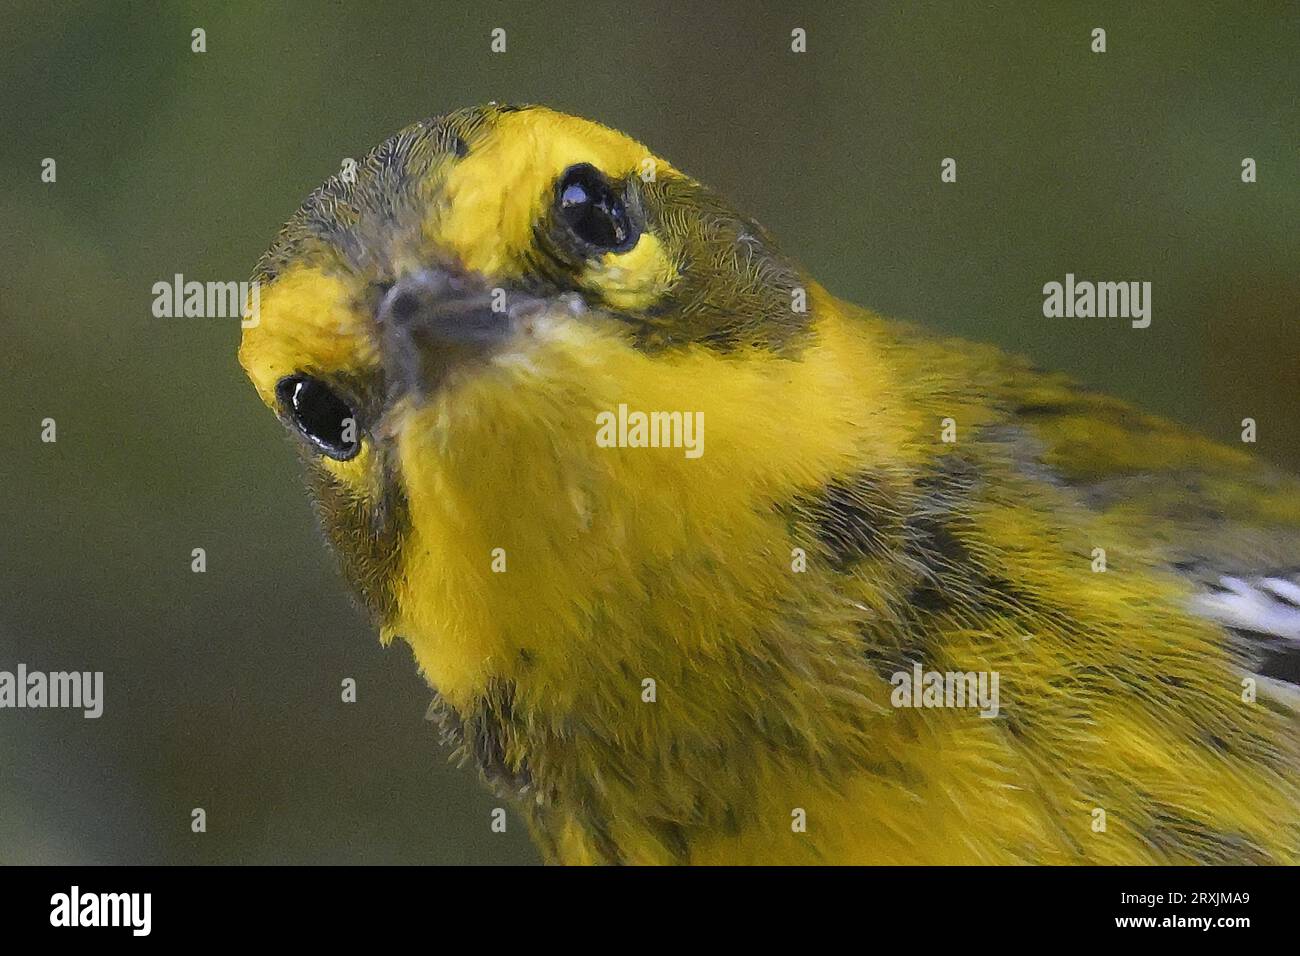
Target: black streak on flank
[[1178, 832], [851, 518], [919, 530]]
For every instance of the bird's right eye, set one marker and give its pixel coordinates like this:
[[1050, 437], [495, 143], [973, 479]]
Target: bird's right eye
[[320, 415], [593, 212]]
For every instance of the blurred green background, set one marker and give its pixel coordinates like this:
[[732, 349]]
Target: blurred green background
[[222, 689]]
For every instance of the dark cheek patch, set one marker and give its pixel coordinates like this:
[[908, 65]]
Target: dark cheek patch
[[366, 536], [736, 289]]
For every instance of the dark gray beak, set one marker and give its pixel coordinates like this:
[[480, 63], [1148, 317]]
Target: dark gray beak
[[433, 321]]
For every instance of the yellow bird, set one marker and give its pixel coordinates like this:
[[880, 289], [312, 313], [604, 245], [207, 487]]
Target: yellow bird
[[707, 566]]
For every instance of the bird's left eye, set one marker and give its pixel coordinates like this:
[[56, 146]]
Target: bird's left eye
[[323, 418], [592, 211]]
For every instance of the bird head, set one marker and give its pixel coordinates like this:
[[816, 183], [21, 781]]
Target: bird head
[[443, 330]]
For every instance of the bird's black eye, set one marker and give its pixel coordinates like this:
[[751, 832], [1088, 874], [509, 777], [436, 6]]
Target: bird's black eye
[[592, 211], [324, 419]]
